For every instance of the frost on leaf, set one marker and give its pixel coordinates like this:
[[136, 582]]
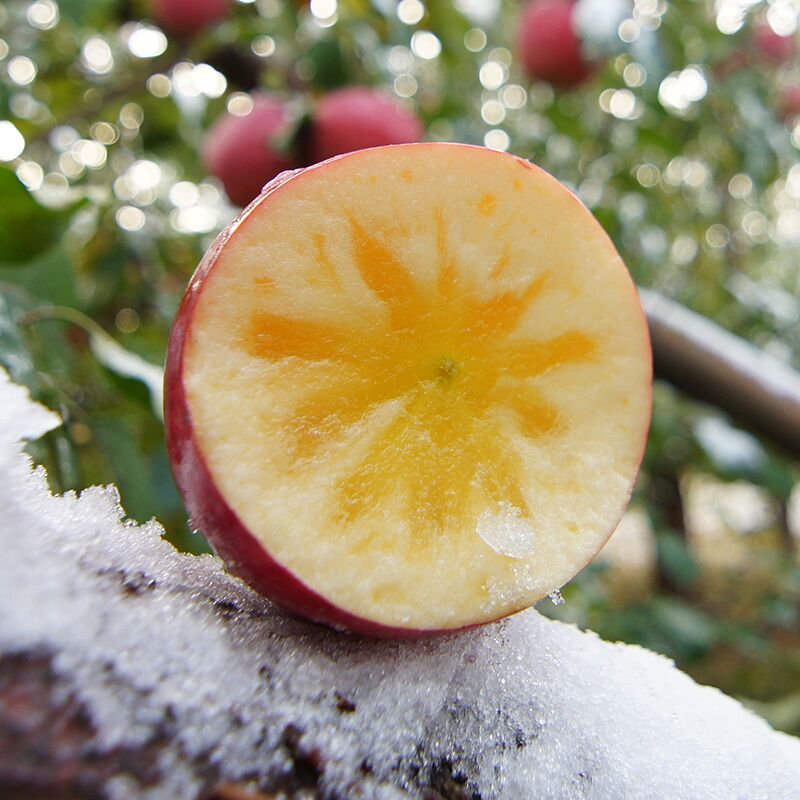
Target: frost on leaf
[[166, 651]]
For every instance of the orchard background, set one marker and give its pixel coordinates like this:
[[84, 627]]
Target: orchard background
[[123, 124]]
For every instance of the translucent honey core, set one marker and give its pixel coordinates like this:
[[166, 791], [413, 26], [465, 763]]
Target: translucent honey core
[[396, 349]]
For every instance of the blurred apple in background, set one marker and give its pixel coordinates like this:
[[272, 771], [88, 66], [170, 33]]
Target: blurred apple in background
[[244, 152], [247, 151], [358, 117], [187, 17], [549, 46], [773, 47]]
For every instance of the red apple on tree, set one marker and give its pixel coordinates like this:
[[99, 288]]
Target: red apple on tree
[[408, 390], [549, 46], [773, 47], [357, 117], [188, 17], [245, 152]]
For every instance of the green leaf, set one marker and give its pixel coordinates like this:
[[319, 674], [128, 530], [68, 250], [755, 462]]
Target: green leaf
[[128, 465], [330, 70], [15, 355], [27, 229], [674, 556], [688, 632], [32, 362], [110, 353], [123, 362], [87, 12], [49, 277]]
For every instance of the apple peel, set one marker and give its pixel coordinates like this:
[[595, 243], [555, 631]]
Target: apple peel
[[408, 389]]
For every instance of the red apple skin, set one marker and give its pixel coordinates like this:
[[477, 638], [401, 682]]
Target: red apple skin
[[548, 45], [357, 117], [238, 150], [209, 512], [772, 46], [188, 17]]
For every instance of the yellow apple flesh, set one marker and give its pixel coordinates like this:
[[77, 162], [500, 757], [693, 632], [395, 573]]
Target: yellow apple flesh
[[408, 390]]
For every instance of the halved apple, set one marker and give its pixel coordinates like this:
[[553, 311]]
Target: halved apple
[[408, 390]]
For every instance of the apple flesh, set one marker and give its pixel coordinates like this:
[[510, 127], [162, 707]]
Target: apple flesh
[[355, 118], [408, 390], [549, 46], [241, 151]]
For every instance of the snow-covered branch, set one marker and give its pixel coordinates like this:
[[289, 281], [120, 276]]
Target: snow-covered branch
[[128, 669], [711, 364]]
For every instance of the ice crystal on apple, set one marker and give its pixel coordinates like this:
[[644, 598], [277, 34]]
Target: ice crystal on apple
[[507, 532]]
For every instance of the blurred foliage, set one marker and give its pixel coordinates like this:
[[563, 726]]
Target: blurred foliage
[[678, 144]]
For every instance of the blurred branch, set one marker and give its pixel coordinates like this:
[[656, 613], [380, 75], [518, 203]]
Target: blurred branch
[[711, 364]]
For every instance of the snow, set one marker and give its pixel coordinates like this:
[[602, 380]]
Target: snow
[[20, 419], [524, 708], [728, 447]]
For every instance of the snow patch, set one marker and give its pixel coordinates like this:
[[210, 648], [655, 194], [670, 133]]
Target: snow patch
[[729, 447], [20, 419]]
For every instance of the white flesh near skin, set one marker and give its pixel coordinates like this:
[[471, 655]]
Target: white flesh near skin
[[420, 376]]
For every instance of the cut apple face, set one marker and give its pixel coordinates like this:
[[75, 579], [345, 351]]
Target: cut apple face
[[408, 391]]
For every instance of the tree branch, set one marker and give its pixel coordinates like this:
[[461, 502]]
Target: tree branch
[[128, 669], [712, 365]]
